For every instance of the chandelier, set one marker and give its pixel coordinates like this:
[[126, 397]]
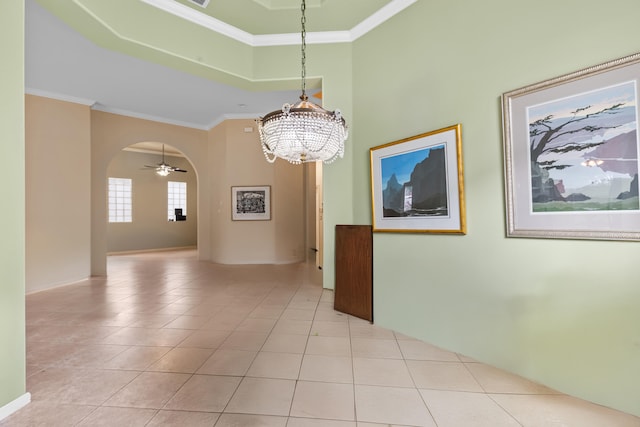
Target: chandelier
[[303, 132]]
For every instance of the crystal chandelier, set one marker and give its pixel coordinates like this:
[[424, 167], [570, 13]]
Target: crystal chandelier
[[304, 131]]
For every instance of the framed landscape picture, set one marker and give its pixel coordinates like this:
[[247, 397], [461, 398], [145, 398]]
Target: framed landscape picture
[[251, 203], [417, 184], [571, 155]]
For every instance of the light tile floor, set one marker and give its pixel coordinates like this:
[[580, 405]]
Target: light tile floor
[[166, 340]]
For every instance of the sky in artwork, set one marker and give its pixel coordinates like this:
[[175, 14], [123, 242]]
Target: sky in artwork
[[598, 99], [403, 164], [577, 176]]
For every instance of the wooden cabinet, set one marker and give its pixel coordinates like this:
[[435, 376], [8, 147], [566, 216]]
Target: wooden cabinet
[[354, 271]]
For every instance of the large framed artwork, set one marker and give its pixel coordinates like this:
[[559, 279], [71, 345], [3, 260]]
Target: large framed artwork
[[251, 203], [417, 184], [571, 155]]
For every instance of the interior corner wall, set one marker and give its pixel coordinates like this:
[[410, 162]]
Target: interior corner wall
[[236, 159], [12, 246], [560, 312], [58, 234]]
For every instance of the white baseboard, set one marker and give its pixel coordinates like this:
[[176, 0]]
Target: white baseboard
[[144, 251], [14, 405]]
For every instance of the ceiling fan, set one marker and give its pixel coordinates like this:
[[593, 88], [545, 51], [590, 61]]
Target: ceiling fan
[[164, 169]]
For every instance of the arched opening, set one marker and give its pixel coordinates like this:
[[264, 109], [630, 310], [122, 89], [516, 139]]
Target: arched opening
[[152, 200], [225, 157]]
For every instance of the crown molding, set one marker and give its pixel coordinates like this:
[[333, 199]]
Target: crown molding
[[199, 18], [220, 27], [224, 117], [122, 112], [127, 113], [59, 97], [383, 14]]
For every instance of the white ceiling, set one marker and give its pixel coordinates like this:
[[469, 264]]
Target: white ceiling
[[62, 64]]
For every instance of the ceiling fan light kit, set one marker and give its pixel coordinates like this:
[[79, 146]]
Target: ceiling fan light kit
[[163, 168], [303, 132]]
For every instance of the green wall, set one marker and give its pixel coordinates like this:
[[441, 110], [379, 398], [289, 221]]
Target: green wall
[[562, 312], [12, 325]]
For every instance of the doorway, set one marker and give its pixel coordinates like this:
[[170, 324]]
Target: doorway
[[314, 211], [142, 200]]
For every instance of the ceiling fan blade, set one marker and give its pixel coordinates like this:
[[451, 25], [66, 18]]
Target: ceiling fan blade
[[165, 166]]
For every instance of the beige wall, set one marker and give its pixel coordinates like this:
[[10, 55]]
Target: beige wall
[[71, 152], [110, 133], [58, 162], [237, 159], [150, 228]]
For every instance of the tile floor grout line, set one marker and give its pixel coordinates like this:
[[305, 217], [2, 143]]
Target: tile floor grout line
[[244, 297], [242, 378], [304, 352]]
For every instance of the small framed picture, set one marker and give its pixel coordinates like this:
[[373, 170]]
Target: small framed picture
[[251, 203]]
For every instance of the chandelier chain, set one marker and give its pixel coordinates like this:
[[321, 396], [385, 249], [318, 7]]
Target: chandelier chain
[[303, 21]]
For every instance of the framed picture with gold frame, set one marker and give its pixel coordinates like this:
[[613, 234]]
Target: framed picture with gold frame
[[417, 184]]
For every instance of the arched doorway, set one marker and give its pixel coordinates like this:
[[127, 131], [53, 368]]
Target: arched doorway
[[151, 207]]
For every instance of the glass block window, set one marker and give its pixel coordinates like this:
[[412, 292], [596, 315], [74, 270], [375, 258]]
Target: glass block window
[[177, 201], [120, 200]]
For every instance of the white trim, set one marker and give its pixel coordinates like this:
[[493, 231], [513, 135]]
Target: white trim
[[100, 107], [199, 18], [144, 251], [204, 4], [58, 96], [151, 151], [220, 27], [382, 15], [289, 39], [15, 405], [234, 116], [127, 113], [57, 285], [268, 4]]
